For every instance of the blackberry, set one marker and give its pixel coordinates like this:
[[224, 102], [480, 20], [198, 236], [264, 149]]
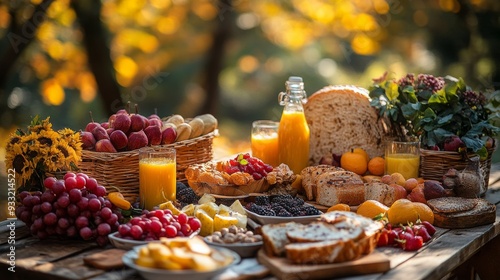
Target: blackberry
[[283, 213], [187, 196], [296, 211], [180, 186], [311, 210], [263, 211], [262, 200]]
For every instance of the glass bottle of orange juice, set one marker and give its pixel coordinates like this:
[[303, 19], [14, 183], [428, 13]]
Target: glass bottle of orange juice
[[293, 132]]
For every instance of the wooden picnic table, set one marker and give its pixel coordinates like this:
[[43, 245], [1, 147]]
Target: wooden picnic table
[[451, 254]]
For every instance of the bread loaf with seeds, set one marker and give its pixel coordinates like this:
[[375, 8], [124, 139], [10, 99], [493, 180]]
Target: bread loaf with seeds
[[341, 118]]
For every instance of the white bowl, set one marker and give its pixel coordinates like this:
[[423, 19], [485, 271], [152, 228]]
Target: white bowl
[[162, 274], [264, 220], [128, 244], [245, 250]]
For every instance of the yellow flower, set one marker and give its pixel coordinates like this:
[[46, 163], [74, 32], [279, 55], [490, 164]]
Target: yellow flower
[[42, 150], [36, 126]]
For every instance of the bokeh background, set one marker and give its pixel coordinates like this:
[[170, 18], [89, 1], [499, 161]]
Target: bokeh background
[[231, 58]]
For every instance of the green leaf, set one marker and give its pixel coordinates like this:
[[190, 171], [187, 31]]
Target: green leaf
[[482, 152], [391, 90], [472, 143], [438, 97]]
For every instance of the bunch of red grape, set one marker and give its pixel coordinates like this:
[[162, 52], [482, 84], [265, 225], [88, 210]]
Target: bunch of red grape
[[73, 206], [152, 225], [251, 165]]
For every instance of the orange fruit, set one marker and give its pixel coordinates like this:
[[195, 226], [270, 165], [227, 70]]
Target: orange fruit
[[376, 166], [398, 178], [362, 152], [354, 162], [339, 207], [371, 208], [424, 212], [402, 211]]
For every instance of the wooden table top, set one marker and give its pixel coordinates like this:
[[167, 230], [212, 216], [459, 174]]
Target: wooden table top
[[63, 259]]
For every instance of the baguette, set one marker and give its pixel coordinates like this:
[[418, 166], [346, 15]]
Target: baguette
[[341, 118]]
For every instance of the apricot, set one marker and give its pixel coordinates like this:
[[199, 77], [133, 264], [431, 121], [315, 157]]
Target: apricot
[[410, 184]]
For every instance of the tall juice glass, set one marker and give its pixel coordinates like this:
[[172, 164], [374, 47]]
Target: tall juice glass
[[265, 141], [404, 158], [157, 177]]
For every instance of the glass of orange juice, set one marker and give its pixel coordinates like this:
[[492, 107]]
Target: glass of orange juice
[[265, 141], [157, 176], [403, 157]]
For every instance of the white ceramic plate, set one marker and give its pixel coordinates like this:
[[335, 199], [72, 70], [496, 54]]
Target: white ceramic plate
[[162, 274], [245, 250], [264, 220], [128, 244]]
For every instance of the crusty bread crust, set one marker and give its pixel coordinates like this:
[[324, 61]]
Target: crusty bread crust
[[341, 118], [452, 204], [482, 213], [340, 187]]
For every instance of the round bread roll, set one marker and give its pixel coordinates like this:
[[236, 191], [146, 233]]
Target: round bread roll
[[341, 118]]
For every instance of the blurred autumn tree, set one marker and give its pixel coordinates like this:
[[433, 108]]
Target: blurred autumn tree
[[227, 57]]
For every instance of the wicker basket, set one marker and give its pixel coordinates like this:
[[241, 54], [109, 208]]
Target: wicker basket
[[122, 169], [434, 164]]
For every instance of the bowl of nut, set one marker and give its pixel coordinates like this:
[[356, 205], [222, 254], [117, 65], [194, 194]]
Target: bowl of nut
[[240, 240]]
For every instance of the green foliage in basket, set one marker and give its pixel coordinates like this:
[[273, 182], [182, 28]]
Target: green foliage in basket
[[435, 109]]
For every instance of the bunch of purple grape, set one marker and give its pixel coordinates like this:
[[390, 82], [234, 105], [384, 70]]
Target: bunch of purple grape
[[74, 206]]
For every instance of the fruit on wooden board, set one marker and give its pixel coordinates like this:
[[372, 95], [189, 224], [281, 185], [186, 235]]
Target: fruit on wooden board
[[132, 131], [339, 207], [404, 211], [181, 254], [408, 238], [371, 209]]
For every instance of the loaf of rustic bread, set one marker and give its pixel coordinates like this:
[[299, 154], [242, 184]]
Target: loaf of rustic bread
[[339, 236], [459, 212], [310, 176], [340, 187], [341, 118]]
